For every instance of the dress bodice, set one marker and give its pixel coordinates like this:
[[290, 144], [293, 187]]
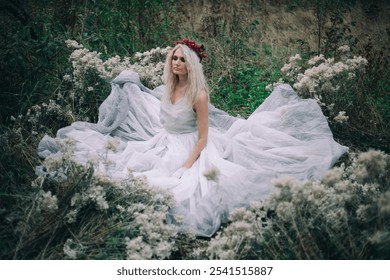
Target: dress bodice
[[178, 118]]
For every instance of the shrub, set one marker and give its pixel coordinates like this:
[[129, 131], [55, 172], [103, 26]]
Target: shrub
[[345, 216], [341, 87], [78, 213]]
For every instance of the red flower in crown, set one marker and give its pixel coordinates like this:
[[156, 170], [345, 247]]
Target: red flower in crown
[[199, 50]]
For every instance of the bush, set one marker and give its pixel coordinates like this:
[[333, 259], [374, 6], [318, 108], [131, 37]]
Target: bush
[[76, 212], [345, 216], [342, 88]]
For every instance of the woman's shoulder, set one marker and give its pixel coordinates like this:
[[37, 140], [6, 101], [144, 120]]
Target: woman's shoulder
[[202, 101], [203, 96]]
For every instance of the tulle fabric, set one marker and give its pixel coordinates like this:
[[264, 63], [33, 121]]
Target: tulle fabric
[[285, 136]]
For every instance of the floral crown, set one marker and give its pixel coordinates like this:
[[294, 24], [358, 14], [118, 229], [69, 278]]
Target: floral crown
[[199, 50]]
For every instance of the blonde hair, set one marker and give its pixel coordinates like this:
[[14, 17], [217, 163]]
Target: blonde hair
[[196, 80]]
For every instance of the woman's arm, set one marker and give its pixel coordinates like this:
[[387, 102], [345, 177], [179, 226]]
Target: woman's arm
[[202, 114]]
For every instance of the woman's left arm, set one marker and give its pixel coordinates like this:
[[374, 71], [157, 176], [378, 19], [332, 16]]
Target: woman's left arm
[[202, 115]]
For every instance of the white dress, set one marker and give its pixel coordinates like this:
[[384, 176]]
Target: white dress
[[285, 136]]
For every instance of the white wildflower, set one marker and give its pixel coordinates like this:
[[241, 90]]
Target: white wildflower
[[371, 164], [364, 214], [73, 249], [384, 203], [71, 216], [286, 182], [295, 58], [212, 174], [336, 217], [286, 68], [138, 249], [344, 48], [112, 144], [330, 106], [97, 194], [49, 201], [316, 60], [269, 87], [333, 176], [241, 214], [241, 227], [285, 211], [163, 249], [73, 44], [66, 77], [351, 76], [120, 208], [227, 255], [341, 117], [380, 237]]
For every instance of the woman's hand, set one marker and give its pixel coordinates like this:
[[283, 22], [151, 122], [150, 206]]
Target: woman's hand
[[179, 173]]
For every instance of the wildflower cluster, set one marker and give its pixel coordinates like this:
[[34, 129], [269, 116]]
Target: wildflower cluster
[[39, 118], [325, 74], [81, 92], [149, 65], [237, 239], [327, 80], [47, 201], [90, 215], [73, 249], [333, 218]]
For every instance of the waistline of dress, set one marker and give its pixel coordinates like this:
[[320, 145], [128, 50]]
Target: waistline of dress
[[181, 132]]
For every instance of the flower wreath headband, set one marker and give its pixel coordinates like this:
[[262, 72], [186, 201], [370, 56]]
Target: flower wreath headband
[[199, 50]]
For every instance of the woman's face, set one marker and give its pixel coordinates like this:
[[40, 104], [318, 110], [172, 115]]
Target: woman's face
[[179, 63]]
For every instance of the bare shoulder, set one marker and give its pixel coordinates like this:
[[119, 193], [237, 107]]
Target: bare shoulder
[[202, 102], [203, 97]]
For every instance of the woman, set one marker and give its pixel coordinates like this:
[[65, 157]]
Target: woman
[[188, 83], [211, 162]]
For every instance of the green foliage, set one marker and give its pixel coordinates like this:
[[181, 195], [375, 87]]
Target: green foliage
[[123, 27], [33, 54], [17, 161], [377, 80], [243, 95], [30, 67]]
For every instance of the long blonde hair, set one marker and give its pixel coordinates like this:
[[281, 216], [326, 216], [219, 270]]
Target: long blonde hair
[[196, 80]]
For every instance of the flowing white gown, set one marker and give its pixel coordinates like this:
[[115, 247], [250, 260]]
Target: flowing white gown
[[285, 136]]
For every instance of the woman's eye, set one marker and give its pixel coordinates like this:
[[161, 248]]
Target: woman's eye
[[174, 57], [183, 59]]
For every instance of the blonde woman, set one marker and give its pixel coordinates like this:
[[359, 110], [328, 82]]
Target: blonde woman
[[211, 162], [185, 81]]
